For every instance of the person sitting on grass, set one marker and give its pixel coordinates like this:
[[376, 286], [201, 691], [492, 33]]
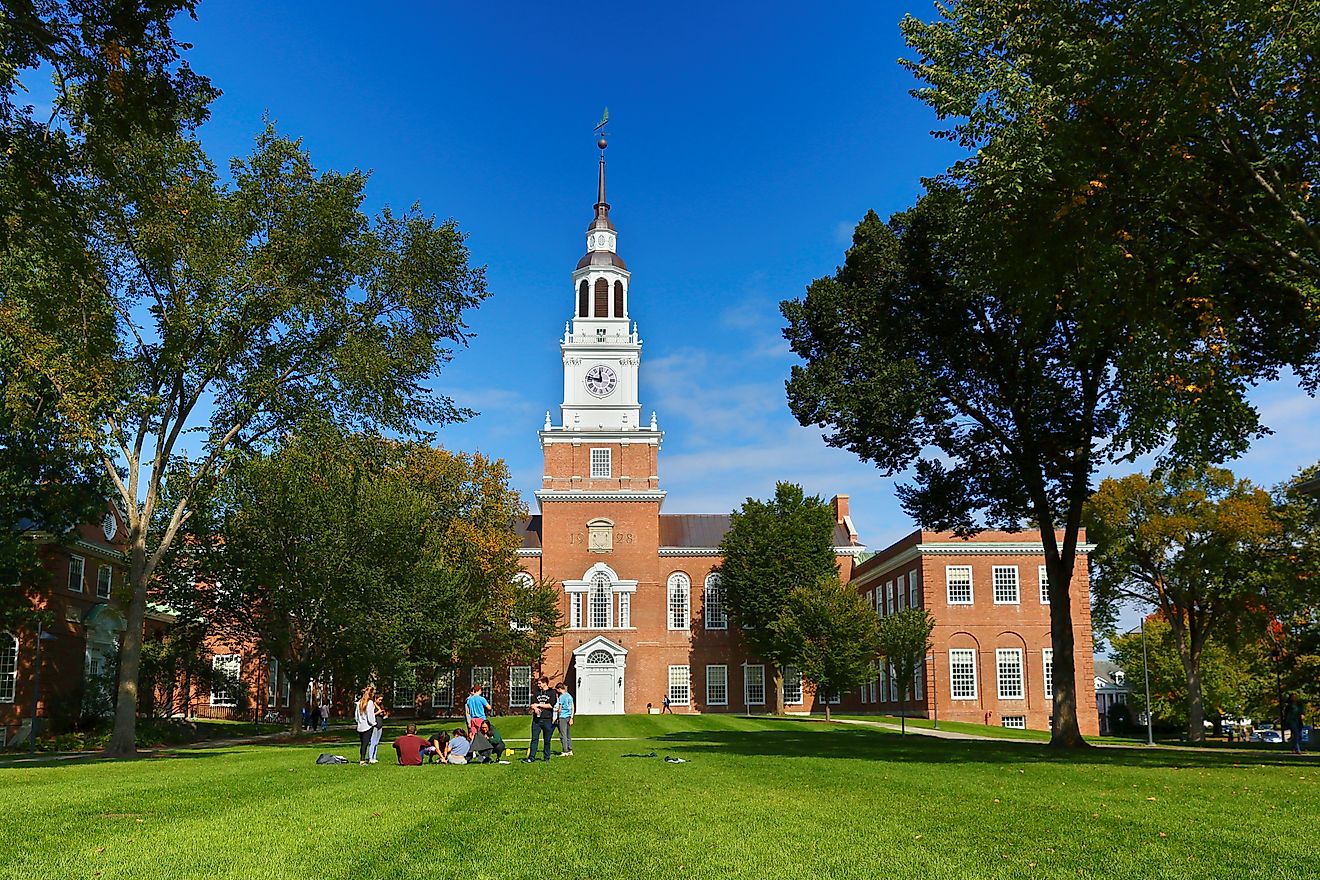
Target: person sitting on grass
[[496, 741], [459, 747], [409, 748], [435, 747]]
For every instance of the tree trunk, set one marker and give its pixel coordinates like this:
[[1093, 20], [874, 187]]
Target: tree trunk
[[778, 680], [298, 699], [1064, 732], [827, 710], [1195, 701], [123, 739]]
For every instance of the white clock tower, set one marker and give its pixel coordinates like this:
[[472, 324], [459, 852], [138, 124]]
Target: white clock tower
[[601, 352]]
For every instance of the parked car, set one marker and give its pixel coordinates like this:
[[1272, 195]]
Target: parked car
[[1267, 736]]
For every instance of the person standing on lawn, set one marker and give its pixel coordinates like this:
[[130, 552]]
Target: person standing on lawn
[[564, 718], [476, 709], [364, 717], [378, 728], [543, 710], [1292, 719]]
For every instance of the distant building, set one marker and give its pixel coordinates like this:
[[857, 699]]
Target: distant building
[[1110, 688]]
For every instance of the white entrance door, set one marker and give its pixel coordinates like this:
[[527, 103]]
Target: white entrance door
[[600, 685]]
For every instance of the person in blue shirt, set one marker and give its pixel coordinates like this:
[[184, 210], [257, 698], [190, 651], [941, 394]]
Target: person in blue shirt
[[564, 718], [476, 707], [456, 752]]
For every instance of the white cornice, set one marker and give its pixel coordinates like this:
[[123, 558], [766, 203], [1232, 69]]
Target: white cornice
[[961, 548], [851, 550], [529, 551], [637, 436], [545, 495]]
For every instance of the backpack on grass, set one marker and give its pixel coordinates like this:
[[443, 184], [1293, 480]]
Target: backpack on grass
[[325, 758]]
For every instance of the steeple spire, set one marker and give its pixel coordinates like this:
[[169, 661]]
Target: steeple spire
[[602, 218]]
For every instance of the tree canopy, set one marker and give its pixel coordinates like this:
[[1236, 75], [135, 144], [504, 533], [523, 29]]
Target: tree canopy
[[830, 633], [903, 640]]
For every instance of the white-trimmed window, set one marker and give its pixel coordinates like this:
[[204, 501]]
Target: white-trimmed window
[[870, 598], [900, 592], [521, 581], [484, 676], [1043, 575], [625, 610], [1014, 722], [919, 680], [754, 685], [962, 674], [600, 603], [893, 685], [272, 682], [717, 685], [712, 604], [680, 595], [285, 689], [8, 667], [792, 686], [680, 685], [1006, 587], [889, 598], [575, 610], [958, 579], [1008, 668], [225, 671], [403, 696], [104, 575], [520, 687], [1047, 669], [76, 566], [442, 689], [601, 464], [914, 592]]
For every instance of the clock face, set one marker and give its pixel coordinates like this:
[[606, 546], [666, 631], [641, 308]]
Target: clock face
[[110, 526], [601, 380]]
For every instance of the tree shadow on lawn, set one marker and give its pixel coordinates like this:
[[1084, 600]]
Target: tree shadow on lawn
[[852, 743]]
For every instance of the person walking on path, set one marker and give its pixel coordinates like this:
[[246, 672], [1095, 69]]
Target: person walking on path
[[378, 727], [664, 707], [1292, 720], [543, 710], [325, 712], [364, 717], [564, 718], [476, 709]]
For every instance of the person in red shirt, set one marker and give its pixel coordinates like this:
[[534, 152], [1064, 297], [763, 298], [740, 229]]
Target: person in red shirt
[[409, 748]]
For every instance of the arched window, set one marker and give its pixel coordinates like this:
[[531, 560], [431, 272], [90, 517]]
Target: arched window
[[601, 604], [600, 657], [618, 299], [582, 299], [519, 621], [680, 591], [8, 666], [712, 604], [602, 299]]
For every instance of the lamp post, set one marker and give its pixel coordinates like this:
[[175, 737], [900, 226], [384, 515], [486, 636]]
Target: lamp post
[[1145, 670], [42, 637]]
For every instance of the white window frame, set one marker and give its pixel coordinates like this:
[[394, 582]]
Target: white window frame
[[1006, 585], [222, 663], [600, 598], [625, 610], [962, 657], [680, 685], [1014, 685], [748, 683], [793, 693], [678, 604], [919, 680], [914, 591], [1047, 670], [717, 685], [889, 598], [398, 695], [443, 684], [1013, 722], [894, 695], [273, 681], [484, 676], [105, 574], [76, 585], [950, 571], [8, 667], [522, 581], [1043, 578], [713, 611], [520, 687], [575, 610], [900, 592], [602, 463]]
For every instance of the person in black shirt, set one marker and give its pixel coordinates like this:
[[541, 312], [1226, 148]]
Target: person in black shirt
[[543, 718]]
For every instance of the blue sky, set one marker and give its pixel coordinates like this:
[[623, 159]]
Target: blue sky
[[747, 140]]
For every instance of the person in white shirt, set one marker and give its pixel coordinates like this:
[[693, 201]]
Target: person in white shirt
[[364, 716]]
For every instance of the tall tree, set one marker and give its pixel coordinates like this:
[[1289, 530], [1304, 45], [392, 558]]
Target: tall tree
[[1193, 545], [830, 633], [772, 547], [904, 641]]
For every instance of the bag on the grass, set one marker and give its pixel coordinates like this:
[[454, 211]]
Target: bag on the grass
[[325, 758]]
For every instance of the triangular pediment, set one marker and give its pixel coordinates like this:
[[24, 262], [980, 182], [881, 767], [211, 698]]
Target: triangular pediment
[[600, 643]]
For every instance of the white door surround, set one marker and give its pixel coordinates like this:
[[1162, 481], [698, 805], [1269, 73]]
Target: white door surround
[[600, 665]]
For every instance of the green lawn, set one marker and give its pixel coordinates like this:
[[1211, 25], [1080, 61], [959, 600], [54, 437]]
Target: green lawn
[[756, 798]]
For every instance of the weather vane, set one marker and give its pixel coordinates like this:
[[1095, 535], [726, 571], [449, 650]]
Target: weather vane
[[600, 129]]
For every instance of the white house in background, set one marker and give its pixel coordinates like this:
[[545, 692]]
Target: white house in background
[[1110, 688]]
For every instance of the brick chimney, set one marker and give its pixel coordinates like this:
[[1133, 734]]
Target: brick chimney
[[840, 505]]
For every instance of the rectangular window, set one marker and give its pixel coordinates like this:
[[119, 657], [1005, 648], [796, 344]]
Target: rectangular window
[[520, 687], [1043, 575], [601, 609], [1006, 590], [962, 674], [225, 669], [958, 579], [1014, 722], [601, 463], [76, 565], [754, 685], [919, 681], [104, 574], [680, 685], [717, 685], [1047, 667], [484, 676], [712, 604], [914, 592], [625, 610], [272, 682], [679, 594], [8, 667], [889, 598], [442, 689], [575, 610], [792, 686], [403, 697], [900, 592], [893, 685], [284, 685], [1008, 665], [870, 598]]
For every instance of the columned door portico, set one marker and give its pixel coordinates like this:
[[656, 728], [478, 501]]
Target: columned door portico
[[600, 665]]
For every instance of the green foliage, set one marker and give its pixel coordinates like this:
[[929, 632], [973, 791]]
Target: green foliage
[[904, 641], [830, 633], [1294, 588], [772, 548]]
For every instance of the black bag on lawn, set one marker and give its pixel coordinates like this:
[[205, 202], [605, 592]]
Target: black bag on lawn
[[325, 758]]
